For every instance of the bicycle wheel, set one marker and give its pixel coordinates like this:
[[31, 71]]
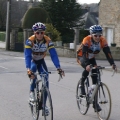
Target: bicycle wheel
[[103, 98], [34, 107], [81, 101], [48, 105]]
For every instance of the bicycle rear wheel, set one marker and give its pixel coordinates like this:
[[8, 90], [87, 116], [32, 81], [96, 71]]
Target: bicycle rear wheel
[[48, 105], [34, 107], [81, 101], [103, 98]]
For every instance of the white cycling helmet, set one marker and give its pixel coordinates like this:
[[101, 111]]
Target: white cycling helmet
[[95, 29], [38, 26]]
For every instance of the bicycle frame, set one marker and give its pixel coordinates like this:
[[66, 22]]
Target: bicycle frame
[[38, 90], [90, 100], [42, 87]]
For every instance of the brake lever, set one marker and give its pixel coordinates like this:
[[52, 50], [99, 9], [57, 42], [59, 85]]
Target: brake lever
[[113, 73], [101, 72], [60, 77]]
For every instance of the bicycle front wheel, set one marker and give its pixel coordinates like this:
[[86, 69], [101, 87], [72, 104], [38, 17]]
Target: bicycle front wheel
[[103, 98], [34, 107], [81, 101], [48, 109]]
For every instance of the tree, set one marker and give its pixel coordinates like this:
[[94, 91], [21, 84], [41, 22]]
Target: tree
[[55, 33], [33, 15], [64, 14], [3, 12]]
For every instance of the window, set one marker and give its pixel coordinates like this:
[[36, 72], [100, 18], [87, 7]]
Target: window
[[109, 35]]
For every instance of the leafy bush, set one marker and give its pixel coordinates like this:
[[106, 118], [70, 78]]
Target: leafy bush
[[55, 34], [83, 33]]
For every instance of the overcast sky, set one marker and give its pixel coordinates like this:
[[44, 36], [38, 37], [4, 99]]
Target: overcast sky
[[88, 1], [84, 1]]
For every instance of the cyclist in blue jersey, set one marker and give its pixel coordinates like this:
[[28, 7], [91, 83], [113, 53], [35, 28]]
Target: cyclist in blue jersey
[[36, 47]]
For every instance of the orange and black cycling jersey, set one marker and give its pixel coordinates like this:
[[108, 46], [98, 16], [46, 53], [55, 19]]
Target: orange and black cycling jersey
[[90, 48], [79, 51]]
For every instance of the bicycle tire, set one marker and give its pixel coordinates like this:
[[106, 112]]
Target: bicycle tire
[[82, 103], [34, 107], [103, 97], [49, 105]]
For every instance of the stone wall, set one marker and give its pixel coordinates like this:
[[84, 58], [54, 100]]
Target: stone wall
[[66, 52], [109, 17], [115, 51]]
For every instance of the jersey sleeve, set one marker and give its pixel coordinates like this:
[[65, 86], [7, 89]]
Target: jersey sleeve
[[53, 54], [106, 50], [28, 53], [86, 44], [50, 45], [103, 42]]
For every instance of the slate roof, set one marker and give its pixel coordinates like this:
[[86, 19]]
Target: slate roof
[[90, 15], [92, 19]]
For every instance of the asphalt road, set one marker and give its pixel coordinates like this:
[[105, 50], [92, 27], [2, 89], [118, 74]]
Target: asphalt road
[[14, 89]]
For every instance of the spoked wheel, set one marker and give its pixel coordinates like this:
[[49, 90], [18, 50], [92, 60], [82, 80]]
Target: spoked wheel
[[34, 107], [104, 100], [48, 109], [81, 101]]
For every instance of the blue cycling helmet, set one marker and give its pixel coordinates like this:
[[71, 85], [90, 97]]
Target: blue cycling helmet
[[95, 29], [39, 26]]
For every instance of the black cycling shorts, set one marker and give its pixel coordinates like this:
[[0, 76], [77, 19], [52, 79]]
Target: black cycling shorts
[[91, 61]]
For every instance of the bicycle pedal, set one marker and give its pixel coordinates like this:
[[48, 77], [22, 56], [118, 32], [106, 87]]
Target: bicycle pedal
[[82, 96], [31, 103], [97, 110], [45, 114]]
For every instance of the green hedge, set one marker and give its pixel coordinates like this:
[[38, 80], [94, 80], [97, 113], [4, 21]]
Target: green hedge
[[20, 37], [33, 15], [2, 36]]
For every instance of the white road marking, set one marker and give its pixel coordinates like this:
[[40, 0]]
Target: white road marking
[[19, 57], [3, 67]]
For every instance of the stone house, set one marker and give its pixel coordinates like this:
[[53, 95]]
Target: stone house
[[109, 19]]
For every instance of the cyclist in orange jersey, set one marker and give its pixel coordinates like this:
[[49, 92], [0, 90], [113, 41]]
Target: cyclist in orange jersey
[[90, 46]]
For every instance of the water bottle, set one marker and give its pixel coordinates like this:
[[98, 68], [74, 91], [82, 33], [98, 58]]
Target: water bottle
[[90, 91], [93, 87]]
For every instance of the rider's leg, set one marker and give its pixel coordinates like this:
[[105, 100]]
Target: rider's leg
[[33, 69], [95, 103], [32, 82], [84, 76], [96, 106]]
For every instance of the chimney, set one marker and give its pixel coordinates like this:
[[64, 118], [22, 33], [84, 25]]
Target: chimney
[[30, 4]]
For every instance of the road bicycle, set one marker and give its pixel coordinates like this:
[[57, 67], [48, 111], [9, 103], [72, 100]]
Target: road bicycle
[[100, 95], [43, 98]]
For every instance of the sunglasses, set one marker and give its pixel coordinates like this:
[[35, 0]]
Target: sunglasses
[[97, 35], [39, 33]]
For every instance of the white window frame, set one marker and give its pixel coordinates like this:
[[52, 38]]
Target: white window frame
[[109, 33]]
